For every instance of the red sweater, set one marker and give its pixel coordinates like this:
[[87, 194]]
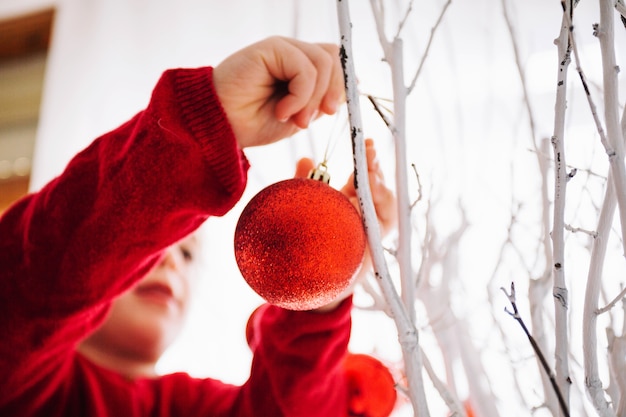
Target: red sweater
[[68, 250]]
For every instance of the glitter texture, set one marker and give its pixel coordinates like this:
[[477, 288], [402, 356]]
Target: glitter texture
[[299, 243]]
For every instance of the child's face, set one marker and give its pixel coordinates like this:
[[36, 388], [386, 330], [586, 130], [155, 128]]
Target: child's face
[[144, 321]]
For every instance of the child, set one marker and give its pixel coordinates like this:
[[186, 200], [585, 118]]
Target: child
[[94, 283]]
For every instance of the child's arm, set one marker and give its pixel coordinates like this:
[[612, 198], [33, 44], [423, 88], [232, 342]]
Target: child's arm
[[88, 235], [296, 370], [67, 250], [298, 357]]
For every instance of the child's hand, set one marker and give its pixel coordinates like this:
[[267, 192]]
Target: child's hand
[[274, 87]]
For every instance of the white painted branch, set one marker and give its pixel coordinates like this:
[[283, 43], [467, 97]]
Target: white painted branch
[[455, 344], [455, 406], [378, 12], [617, 364], [559, 289], [451, 332], [405, 227], [611, 304], [520, 71], [593, 383], [394, 57], [428, 45], [610, 69], [536, 294], [539, 287], [480, 388], [407, 333], [406, 17]]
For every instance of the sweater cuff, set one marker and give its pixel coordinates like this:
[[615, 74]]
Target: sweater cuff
[[206, 120]]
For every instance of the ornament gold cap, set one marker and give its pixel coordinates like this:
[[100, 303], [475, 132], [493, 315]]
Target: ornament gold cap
[[320, 173]]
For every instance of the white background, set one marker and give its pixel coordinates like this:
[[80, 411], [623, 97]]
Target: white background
[[468, 132]]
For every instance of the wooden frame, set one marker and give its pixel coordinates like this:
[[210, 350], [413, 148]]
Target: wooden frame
[[22, 37]]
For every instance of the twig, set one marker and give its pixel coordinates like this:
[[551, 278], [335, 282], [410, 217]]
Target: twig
[[394, 57], [430, 41], [610, 305], [406, 16], [382, 115], [515, 314], [379, 17], [573, 169], [456, 408], [520, 70], [419, 186], [617, 363], [583, 80], [572, 229]]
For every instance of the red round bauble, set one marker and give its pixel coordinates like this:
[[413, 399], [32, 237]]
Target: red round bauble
[[371, 387], [298, 243]]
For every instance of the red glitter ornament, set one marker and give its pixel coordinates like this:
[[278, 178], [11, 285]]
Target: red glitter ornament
[[299, 243], [371, 387]]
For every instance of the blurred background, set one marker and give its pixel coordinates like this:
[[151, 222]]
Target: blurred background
[[71, 70]]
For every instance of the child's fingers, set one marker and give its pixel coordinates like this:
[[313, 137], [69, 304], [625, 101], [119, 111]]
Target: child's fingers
[[336, 93], [308, 88], [303, 167], [374, 172], [370, 153], [384, 202]]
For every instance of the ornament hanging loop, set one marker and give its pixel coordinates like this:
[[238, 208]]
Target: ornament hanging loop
[[320, 173]]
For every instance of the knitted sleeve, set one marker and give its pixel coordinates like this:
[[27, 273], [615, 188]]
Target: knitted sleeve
[[69, 249], [297, 366], [297, 370]]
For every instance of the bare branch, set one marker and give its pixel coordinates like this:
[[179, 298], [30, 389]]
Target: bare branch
[[520, 70], [617, 363], [583, 80], [407, 333], [428, 45], [615, 136], [382, 115], [406, 16], [559, 289], [591, 233], [379, 17], [610, 305], [515, 314], [456, 408], [419, 186]]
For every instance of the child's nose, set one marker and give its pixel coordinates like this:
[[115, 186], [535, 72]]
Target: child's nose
[[170, 259]]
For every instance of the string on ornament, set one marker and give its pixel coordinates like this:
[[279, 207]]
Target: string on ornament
[[321, 171]]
